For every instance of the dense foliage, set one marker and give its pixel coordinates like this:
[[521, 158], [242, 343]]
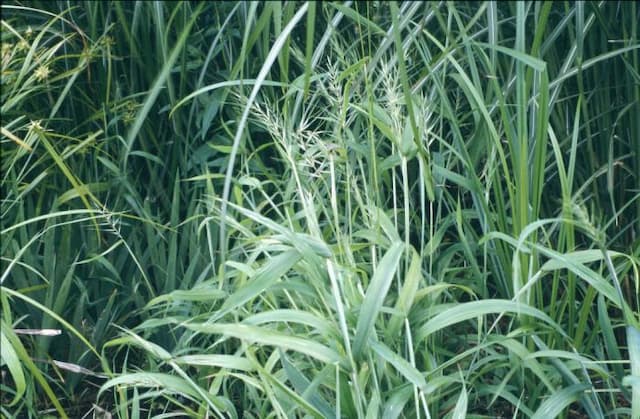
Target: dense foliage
[[287, 209]]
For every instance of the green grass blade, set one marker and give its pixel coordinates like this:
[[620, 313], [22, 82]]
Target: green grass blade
[[230, 362], [554, 405], [264, 279], [407, 294], [460, 411], [374, 297], [633, 342], [466, 311], [160, 80], [11, 359], [308, 67], [400, 364], [22, 354], [269, 60], [49, 312], [267, 337]]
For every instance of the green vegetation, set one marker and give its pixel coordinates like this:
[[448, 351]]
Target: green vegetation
[[287, 209]]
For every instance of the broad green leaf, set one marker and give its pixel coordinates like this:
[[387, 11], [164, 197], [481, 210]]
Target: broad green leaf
[[83, 189], [374, 297], [52, 314], [581, 361], [460, 411], [198, 293], [395, 404], [268, 337], [133, 339], [12, 361], [400, 364], [578, 257], [407, 294], [323, 326], [231, 362], [535, 63], [358, 18], [474, 309], [558, 401], [167, 382], [307, 389], [265, 277], [25, 359]]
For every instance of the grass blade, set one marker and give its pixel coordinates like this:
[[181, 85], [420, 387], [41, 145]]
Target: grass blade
[[161, 79], [270, 59], [267, 337], [554, 405], [466, 311], [374, 298]]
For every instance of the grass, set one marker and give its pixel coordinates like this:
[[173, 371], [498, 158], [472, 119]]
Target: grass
[[367, 209]]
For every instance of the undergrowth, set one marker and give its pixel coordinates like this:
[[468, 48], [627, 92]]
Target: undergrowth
[[287, 209]]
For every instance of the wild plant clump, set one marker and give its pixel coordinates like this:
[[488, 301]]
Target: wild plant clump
[[331, 210]]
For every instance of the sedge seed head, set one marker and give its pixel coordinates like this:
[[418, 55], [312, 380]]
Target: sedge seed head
[[42, 73]]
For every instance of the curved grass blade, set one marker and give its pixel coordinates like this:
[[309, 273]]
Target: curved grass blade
[[47, 311], [407, 294], [374, 297], [11, 359], [198, 293], [554, 405], [405, 368], [264, 279], [306, 388], [270, 59], [323, 326], [268, 337], [460, 411], [633, 341], [168, 382], [157, 85], [22, 354], [480, 308], [230, 362]]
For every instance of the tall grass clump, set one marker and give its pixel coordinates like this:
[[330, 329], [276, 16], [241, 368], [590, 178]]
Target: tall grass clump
[[288, 209]]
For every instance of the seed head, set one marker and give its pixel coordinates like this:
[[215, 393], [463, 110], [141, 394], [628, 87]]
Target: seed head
[[42, 73]]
